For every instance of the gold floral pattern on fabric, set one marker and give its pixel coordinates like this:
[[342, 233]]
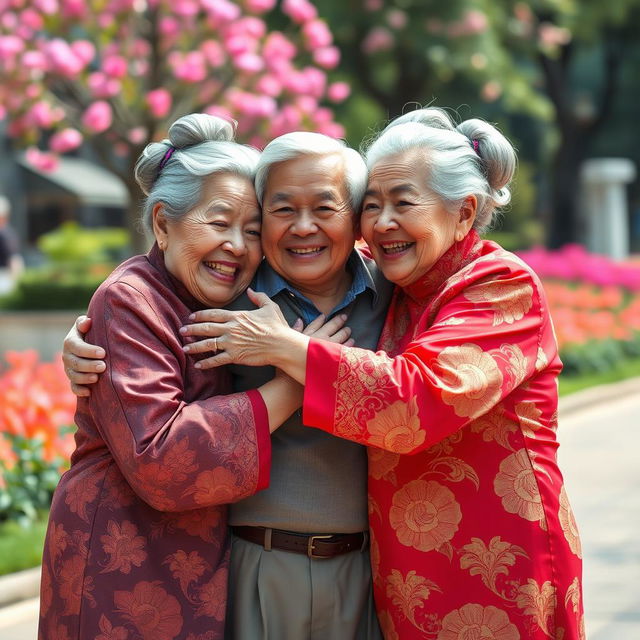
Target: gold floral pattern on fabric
[[553, 421], [470, 379], [539, 602], [409, 592], [516, 485], [516, 363], [393, 333], [382, 463], [450, 322], [508, 301], [424, 515], [387, 626], [495, 426], [453, 469], [473, 621], [541, 360], [374, 554], [396, 427], [573, 600], [373, 508], [124, 547], [529, 418], [360, 394], [489, 562], [154, 613], [568, 524]]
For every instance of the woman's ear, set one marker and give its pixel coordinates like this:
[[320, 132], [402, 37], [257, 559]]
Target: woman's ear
[[159, 222], [466, 217]]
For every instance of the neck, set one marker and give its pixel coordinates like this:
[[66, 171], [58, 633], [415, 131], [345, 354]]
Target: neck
[[326, 297]]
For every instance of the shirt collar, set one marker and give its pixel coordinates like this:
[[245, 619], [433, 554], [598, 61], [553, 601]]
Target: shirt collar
[[270, 282]]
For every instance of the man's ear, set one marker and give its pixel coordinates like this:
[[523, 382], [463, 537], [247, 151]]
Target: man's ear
[[357, 231], [159, 222]]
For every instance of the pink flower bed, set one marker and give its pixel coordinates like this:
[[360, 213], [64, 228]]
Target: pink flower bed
[[591, 297]]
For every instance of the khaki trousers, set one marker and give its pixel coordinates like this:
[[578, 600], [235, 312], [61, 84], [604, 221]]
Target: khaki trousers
[[279, 595]]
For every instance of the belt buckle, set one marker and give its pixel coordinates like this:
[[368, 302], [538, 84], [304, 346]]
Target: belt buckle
[[310, 544]]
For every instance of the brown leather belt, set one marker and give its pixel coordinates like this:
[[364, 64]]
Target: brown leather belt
[[314, 546]]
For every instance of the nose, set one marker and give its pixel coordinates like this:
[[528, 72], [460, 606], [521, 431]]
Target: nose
[[235, 243], [304, 224], [386, 220]]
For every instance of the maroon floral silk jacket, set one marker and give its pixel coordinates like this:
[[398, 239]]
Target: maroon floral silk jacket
[[137, 545]]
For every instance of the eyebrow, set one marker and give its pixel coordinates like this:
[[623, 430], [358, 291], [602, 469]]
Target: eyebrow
[[281, 196], [401, 188]]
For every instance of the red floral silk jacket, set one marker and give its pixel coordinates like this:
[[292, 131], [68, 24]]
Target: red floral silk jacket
[[137, 545], [472, 532]]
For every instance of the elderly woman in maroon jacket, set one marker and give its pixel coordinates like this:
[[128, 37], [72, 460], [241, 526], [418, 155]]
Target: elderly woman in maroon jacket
[[137, 543]]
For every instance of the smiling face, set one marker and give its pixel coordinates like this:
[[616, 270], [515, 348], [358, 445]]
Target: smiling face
[[406, 224], [214, 249], [309, 226]]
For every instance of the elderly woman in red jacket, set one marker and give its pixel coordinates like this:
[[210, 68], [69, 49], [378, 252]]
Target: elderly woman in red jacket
[[472, 531], [137, 545]]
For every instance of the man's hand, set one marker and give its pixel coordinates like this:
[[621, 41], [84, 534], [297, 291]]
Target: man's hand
[[82, 361]]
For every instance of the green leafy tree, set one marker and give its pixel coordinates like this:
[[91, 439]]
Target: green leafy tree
[[562, 37], [514, 61]]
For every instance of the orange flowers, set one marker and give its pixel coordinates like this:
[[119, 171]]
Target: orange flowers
[[582, 313], [36, 403], [36, 415]]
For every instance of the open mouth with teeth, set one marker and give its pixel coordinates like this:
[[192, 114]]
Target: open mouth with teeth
[[222, 270], [393, 248], [305, 251]]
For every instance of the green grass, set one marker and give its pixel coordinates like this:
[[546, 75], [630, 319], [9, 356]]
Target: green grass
[[21, 546], [628, 368]]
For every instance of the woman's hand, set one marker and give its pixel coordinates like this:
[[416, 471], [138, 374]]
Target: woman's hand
[[82, 361], [243, 337], [257, 337]]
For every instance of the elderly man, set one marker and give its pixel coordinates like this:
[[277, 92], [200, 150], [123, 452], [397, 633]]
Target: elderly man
[[300, 566]]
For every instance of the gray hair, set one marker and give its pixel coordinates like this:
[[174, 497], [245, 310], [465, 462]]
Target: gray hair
[[456, 166], [203, 145], [293, 145]]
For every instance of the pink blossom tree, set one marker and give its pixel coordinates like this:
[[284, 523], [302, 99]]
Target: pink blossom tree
[[113, 74]]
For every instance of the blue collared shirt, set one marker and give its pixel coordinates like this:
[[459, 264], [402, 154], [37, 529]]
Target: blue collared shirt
[[270, 282]]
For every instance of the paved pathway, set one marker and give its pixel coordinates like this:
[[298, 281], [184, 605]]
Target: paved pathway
[[600, 459]]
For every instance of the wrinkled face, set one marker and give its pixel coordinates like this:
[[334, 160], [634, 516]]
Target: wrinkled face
[[214, 250], [308, 227], [405, 223]]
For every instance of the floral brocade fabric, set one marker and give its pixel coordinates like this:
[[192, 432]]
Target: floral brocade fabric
[[472, 531], [137, 546]]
